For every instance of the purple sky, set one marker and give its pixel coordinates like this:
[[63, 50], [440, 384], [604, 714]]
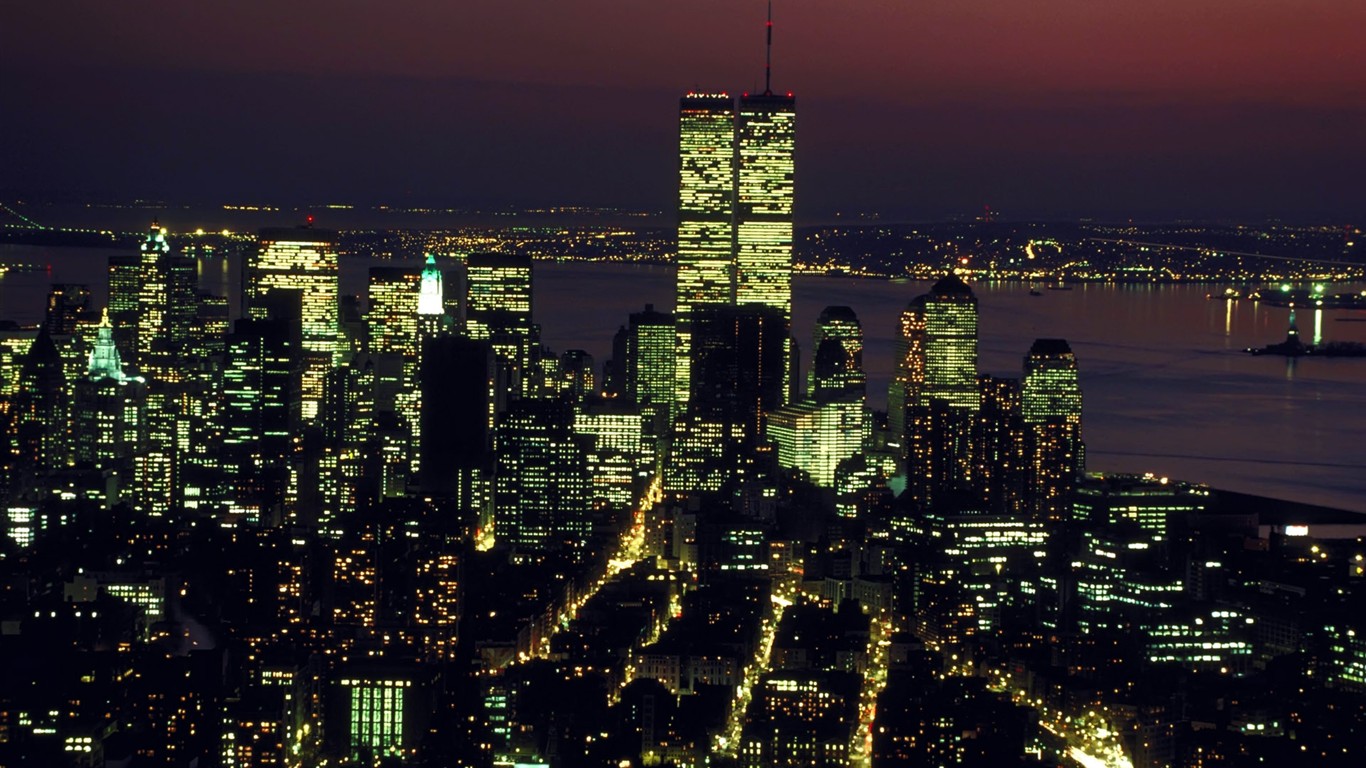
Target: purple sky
[[1243, 108]]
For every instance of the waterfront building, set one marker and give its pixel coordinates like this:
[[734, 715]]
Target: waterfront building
[[837, 356], [950, 345], [302, 259]]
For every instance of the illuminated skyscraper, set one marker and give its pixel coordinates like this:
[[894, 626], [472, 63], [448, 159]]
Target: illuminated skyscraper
[[260, 412], [815, 437], [107, 407], [706, 209], [392, 316], [765, 139], [934, 396], [951, 345], [1051, 405], [304, 259], [432, 317], [830, 425], [619, 457], [166, 313], [1051, 389], [498, 310], [124, 292]]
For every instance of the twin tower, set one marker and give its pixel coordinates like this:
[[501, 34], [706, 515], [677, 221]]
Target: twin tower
[[736, 184]]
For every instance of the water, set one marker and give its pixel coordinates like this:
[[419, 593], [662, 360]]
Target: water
[[1166, 388]]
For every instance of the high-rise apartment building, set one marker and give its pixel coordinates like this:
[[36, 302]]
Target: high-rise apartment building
[[303, 259]]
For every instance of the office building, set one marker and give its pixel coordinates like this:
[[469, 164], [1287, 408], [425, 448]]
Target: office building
[[302, 259], [706, 210], [498, 310], [950, 345], [541, 483]]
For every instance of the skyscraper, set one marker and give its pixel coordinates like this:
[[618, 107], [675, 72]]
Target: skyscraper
[[431, 301], [498, 310], [260, 412], [305, 259], [166, 313], [837, 362], [706, 209], [1051, 405], [107, 406], [541, 483], [646, 372], [1051, 388], [938, 424], [951, 345], [765, 140], [392, 313]]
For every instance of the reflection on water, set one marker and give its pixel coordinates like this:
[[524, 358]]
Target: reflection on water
[[1166, 389]]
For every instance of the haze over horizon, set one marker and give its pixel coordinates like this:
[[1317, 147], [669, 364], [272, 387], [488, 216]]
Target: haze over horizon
[[1247, 109]]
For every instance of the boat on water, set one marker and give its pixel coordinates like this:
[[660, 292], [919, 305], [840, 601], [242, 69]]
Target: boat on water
[[1035, 291], [1229, 294], [1317, 297]]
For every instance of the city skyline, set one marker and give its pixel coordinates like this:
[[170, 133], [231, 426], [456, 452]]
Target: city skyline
[[1069, 110], [317, 497]]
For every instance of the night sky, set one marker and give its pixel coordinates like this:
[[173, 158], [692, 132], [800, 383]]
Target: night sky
[[918, 110]]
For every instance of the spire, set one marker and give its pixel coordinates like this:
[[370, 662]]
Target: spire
[[156, 239], [768, 53], [431, 297], [105, 362]]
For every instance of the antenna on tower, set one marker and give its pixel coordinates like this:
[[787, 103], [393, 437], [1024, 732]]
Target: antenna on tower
[[768, 53]]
